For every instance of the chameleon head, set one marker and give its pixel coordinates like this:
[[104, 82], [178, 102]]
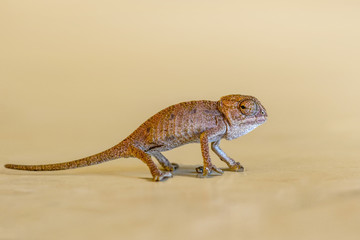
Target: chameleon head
[[242, 113]]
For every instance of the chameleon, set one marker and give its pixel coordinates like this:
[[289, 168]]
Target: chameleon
[[205, 122]]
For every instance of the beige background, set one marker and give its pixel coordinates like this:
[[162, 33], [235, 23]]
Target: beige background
[[76, 77]]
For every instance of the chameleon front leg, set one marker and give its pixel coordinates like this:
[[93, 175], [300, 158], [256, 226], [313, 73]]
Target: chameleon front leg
[[146, 158], [208, 166], [164, 162], [234, 166]]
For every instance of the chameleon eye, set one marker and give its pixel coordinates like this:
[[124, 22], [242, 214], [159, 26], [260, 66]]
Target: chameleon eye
[[248, 107]]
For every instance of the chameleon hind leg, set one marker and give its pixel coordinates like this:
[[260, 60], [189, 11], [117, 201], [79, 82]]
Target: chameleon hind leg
[[164, 162], [157, 174], [234, 166]]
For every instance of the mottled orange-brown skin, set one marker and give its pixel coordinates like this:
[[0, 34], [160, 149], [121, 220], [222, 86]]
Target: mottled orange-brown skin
[[188, 122]]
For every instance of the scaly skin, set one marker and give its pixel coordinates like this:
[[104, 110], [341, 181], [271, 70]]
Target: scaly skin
[[188, 122]]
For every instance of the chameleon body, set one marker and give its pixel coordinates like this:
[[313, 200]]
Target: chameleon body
[[202, 121]]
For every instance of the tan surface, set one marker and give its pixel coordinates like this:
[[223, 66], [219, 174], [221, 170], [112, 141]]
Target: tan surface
[[78, 76]]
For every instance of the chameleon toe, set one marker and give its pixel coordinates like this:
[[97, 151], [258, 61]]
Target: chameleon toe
[[199, 169], [162, 176]]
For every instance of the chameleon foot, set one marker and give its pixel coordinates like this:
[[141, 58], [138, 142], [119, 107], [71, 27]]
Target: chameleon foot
[[199, 169], [237, 167], [207, 170], [162, 176], [175, 166], [171, 167]]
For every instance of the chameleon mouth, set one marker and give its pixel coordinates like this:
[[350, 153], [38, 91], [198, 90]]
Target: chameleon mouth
[[255, 120], [261, 120]]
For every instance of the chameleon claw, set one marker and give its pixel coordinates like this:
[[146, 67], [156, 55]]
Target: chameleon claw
[[207, 170], [162, 176], [237, 167], [199, 169], [218, 170], [175, 166], [171, 167]]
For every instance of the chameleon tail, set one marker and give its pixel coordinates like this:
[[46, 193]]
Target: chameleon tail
[[107, 155]]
